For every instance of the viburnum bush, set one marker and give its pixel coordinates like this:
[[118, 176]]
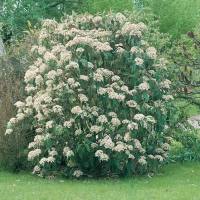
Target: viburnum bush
[[98, 99]]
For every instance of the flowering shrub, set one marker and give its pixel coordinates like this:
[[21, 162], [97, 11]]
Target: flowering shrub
[[98, 99]]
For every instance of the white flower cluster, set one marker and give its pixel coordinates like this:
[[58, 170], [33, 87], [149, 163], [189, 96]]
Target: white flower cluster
[[32, 154], [131, 103], [115, 122], [46, 160], [102, 156], [68, 152], [77, 173], [106, 142], [96, 129], [151, 52], [76, 110], [165, 84], [143, 86], [137, 50], [102, 119], [139, 61], [82, 98], [167, 97]]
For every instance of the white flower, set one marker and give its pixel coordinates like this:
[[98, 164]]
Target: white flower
[[137, 144], [19, 104], [30, 74], [143, 86], [84, 78], [13, 120], [136, 49], [150, 119], [49, 124], [167, 97], [106, 142], [139, 117], [131, 103], [41, 50], [8, 131], [94, 145], [120, 147], [159, 150], [90, 65], [49, 56], [73, 65], [97, 77], [36, 169], [127, 137], [78, 131], [101, 91], [82, 98], [50, 159], [115, 78], [31, 145], [115, 121], [68, 152], [159, 157], [96, 129], [102, 119], [151, 156], [80, 50], [77, 173], [38, 139], [53, 153], [112, 114], [33, 154], [142, 160], [42, 68], [125, 121], [101, 155], [132, 126], [68, 124], [57, 109], [151, 52], [120, 17], [165, 146], [20, 116], [43, 161], [76, 110], [114, 95], [139, 61], [52, 74], [29, 101], [165, 84]]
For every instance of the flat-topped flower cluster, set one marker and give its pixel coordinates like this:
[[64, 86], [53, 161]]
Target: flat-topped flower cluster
[[97, 98]]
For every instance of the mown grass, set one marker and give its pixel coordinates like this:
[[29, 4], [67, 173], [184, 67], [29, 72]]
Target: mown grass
[[191, 110], [175, 182]]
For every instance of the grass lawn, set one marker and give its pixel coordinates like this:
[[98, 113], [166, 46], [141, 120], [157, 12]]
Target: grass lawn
[[191, 110], [175, 182]]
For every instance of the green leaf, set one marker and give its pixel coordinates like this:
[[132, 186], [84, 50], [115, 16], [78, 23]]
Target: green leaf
[[84, 62], [146, 96], [87, 146]]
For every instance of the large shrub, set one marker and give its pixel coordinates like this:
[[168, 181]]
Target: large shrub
[[98, 99]]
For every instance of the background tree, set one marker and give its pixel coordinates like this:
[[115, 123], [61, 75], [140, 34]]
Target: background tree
[[15, 14], [186, 56], [175, 17], [94, 6]]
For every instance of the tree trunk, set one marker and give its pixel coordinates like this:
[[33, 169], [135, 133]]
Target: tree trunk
[[2, 49]]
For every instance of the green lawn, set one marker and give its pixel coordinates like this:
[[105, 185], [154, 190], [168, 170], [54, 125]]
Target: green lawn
[[191, 110], [175, 182]]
